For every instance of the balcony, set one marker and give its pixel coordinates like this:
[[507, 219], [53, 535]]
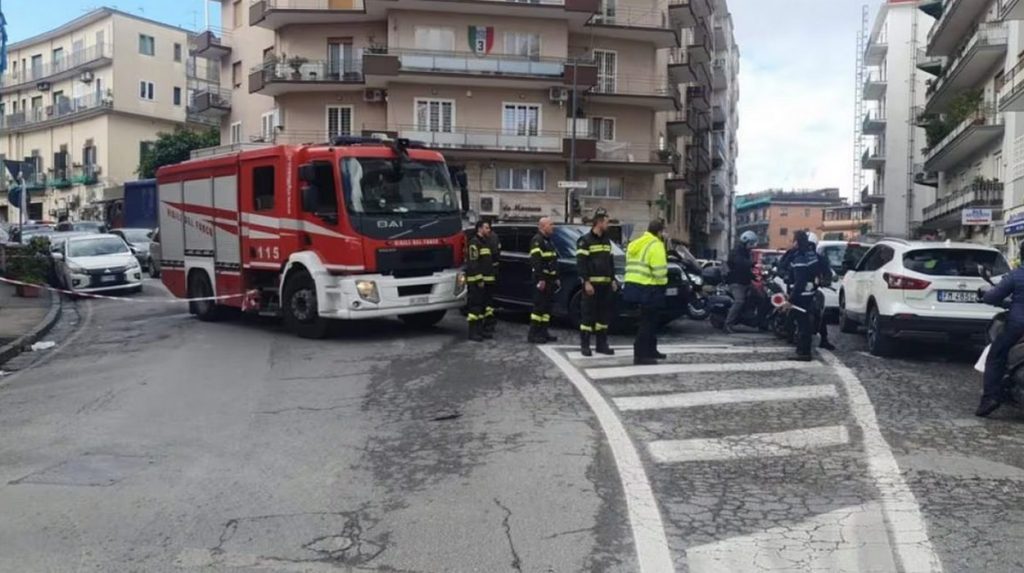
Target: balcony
[[210, 44], [970, 66], [301, 75], [1012, 10], [682, 71], [876, 51], [275, 14], [423, 66], [870, 196], [700, 51], [697, 98], [641, 91], [956, 20], [635, 24], [83, 60], [718, 184], [980, 129], [215, 102], [873, 158], [929, 64], [926, 178], [875, 86], [86, 175], [633, 156], [874, 123], [66, 110], [721, 37], [1011, 93], [484, 143], [718, 152], [944, 213], [719, 74], [686, 13]]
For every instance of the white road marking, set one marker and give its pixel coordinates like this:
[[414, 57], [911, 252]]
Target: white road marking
[[652, 552], [694, 399], [577, 357], [902, 513], [767, 445], [655, 369]]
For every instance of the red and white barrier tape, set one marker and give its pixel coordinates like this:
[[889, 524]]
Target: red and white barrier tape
[[121, 298]]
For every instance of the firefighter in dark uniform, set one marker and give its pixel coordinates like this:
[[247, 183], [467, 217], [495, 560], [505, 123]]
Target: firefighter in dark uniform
[[597, 271], [491, 284], [479, 267], [544, 262]]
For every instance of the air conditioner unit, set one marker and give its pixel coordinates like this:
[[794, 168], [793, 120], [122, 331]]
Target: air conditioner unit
[[490, 205], [373, 95], [43, 86], [558, 94], [87, 77]]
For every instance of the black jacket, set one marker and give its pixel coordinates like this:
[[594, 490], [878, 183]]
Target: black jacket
[[594, 258], [543, 258], [741, 267], [480, 265]]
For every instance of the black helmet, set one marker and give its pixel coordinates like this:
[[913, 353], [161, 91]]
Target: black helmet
[[600, 213]]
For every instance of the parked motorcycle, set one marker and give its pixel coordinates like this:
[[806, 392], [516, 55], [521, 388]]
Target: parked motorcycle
[[696, 299], [754, 314], [1015, 359]]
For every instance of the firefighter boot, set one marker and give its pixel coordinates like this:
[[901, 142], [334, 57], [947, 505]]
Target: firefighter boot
[[602, 344], [475, 333], [489, 324], [547, 336], [535, 336], [585, 344]]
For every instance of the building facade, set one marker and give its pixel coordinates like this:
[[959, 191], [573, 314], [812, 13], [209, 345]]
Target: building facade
[[80, 103], [776, 215], [845, 222], [894, 92], [491, 85]]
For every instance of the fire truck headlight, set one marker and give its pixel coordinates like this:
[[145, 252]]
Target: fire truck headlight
[[460, 283], [368, 291]]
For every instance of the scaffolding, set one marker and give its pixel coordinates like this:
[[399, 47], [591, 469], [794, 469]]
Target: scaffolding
[[858, 105]]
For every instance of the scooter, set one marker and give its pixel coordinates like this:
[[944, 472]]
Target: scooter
[[693, 284], [754, 314], [1015, 359]]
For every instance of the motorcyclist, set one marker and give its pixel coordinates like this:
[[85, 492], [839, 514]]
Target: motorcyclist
[[995, 390], [822, 274], [739, 277]]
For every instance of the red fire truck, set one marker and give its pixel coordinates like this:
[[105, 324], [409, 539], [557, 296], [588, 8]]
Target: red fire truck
[[358, 228]]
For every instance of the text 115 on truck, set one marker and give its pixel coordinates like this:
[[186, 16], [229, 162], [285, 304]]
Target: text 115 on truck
[[358, 228]]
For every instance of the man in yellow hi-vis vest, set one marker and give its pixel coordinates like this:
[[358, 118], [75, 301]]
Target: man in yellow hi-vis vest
[[646, 277]]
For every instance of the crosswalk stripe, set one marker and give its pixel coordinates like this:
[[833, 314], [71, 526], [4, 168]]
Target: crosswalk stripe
[[694, 399], [655, 369], [765, 445], [576, 356]]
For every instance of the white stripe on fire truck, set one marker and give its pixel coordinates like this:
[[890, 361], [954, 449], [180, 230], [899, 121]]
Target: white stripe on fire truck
[[257, 234]]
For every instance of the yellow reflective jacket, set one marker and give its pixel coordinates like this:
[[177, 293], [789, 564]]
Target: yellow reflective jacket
[[646, 261]]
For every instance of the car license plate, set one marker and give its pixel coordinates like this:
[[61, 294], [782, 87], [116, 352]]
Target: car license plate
[[672, 291], [958, 296], [108, 278], [419, 300]]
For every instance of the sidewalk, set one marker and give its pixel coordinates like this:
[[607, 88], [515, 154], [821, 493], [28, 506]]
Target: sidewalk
[[24, 320]]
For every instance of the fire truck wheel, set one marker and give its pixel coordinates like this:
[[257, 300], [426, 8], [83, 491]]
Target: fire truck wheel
[[199, 287], [300, 307], [423, 319]]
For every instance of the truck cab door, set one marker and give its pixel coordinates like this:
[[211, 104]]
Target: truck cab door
[[266, 241]]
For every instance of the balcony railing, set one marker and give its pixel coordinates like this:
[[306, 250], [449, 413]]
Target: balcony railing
[[631, 152], [310, 71], [67, 108], [216, 100], [210, 43], [961, 12], [987, 34], [47, 70], [412, 59], [526, 140], [85, 175], [633, 86], [984, 115], [632, 18], [977, 194]]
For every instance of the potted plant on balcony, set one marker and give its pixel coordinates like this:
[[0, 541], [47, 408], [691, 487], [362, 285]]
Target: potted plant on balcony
[[30, 264], [296, 63], [665, 155]]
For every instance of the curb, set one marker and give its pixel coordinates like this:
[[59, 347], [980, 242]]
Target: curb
[[12, 349]]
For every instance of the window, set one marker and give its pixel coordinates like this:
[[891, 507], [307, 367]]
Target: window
[[954, 262], [875, 258], [607, 187], [522, 44], [519, 179], [437, 39], [177, 96], [521, 119], [607, 13], [37, 102], [783, 232], [340, 59], [603, 128], [236, 14], [89, 154], [235, 136], [147, 45], [57, 58], [177, 52], [267, 123], [37, 66], [327, 195], [607, 62], [339, 121], [435, 115], [146, 90], [783, 212], [236, 74], [263, 188]]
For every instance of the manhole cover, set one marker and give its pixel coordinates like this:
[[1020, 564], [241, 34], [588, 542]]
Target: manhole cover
[[88, 470]]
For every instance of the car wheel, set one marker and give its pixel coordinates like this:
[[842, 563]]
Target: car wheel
[[423, 319], [846, 324], [299, 303], [199, 287], [879, 344]]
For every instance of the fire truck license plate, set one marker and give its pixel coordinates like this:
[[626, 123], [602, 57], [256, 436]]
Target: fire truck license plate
[[419, 300]]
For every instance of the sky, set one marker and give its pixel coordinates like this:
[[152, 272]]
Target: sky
[[796, 79]]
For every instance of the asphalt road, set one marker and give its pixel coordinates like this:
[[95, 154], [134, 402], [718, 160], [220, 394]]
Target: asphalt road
[[148, 441]]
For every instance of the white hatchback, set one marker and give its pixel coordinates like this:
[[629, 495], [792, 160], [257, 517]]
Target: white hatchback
[[95, 263], [904, 289]]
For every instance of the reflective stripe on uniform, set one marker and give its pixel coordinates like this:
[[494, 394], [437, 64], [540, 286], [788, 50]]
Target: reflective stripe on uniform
[[599, 327], [586, 328], [540, 317], [600, 248], [489, 311], [582, 252], [600, 280], [473, 317], [485, 251], [474, 278], [489, 279]]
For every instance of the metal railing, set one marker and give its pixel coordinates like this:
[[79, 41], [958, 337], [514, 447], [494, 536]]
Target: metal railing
[[65, 108], [633, 152], [985, 115], [358, 4], [412, 59], [987, 34], [632, 18], [974, 194], [37, 73], [210, 99], [513, 139], [311, 71], [633, 85]]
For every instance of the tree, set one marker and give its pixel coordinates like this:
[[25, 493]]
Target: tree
[[176, 147]]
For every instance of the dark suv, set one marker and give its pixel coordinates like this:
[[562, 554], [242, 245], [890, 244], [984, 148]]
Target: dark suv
[[516, 286]]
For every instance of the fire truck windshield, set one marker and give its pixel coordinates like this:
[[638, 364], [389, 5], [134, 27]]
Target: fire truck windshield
[[377, 186]]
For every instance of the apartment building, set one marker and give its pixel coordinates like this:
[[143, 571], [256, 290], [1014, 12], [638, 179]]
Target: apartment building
[[845, 222], [81, 101], [894, 92], [488, 82], [775, 215]]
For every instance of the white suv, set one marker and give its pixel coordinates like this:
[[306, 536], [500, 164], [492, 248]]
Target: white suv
[[903, 289]]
